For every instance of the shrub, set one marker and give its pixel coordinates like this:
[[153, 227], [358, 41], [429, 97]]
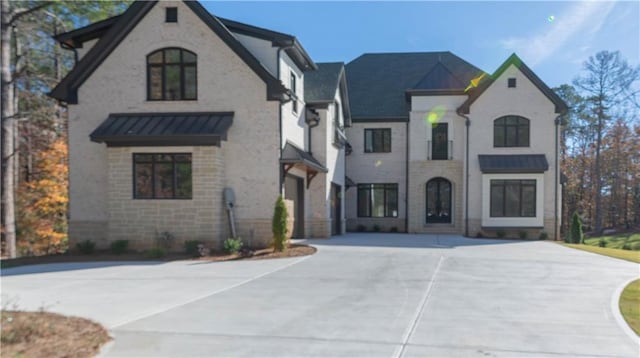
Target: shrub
[[191, 248], [577, 237], [602, 243], [119, 247], [567, 238], [279, 225], [156, 252], [543, 236], [501, 233], [361, 228], [635, 246], [626, 247], [165, 240], [376, 228], [232, 246], [203, 250], [86, 247], [393, 229], [523, 234], [479, 234]]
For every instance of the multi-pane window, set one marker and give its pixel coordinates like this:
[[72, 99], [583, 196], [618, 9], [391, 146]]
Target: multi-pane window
[[171, 14], [378, 200], [513, 198], [377, 140], [339, 139], [511, 131], [162, 176], [171, 75], [294, 100]]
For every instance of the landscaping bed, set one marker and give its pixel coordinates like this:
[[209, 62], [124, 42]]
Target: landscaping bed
[[45, 334], [293, 250], [630, 305]]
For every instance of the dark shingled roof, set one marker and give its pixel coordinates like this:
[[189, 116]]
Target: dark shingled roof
[[378, 82], [294, 155], [533, 163], [139, 129], [321, 85]]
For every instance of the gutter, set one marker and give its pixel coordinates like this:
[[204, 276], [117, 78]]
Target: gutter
[[406, 182], [467, 124]]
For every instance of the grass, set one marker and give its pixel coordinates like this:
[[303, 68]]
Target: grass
[[633, 256], [616, 241], [630, 305]]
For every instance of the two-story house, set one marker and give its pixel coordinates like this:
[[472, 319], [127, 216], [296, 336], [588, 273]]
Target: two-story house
[[169, 105], [440, 146]]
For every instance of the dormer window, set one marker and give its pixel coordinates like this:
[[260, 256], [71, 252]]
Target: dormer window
[[171, 14], [171, 75]]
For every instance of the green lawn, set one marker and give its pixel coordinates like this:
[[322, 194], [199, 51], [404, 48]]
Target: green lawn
[[632, 240], [630, 305], [633, 256]]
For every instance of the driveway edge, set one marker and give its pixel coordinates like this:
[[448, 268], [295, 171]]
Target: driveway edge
[[615, 308]]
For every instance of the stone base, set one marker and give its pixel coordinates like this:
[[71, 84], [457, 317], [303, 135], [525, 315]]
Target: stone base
[[385, 224]]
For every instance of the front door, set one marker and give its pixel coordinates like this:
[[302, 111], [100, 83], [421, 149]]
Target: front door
[[294, 191], [438, 201], [336, 209]]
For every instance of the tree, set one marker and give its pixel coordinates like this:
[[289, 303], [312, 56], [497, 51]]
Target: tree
[[576, 229], [608, 83], [31, 65], [279, 225]]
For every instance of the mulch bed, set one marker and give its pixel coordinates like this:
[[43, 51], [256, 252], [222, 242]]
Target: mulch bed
[[101, 256], [45, 334]]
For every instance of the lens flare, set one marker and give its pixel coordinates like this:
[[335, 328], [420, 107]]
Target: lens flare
[[475, 82], [551, 18], [378, 163], [434, 115]]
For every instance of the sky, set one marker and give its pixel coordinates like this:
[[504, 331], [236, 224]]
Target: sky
[[553, 38]]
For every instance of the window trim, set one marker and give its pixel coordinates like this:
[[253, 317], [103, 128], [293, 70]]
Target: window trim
[[153, 175], [386, 187], [373, 150], [517, 126], [163, 66], [533, 183]]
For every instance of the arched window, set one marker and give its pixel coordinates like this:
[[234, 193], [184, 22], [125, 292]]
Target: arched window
[[511, 131], [171, 75], [438, 201]]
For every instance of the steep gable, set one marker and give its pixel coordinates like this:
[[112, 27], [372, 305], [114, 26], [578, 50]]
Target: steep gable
[[67, 89]]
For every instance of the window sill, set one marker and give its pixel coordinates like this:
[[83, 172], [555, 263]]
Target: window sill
[[171, 101]]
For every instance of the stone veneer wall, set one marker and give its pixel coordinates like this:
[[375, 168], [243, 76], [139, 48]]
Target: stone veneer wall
[[420, 172], [139, 221]]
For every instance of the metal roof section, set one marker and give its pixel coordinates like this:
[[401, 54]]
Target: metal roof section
[[293, 155], [474, 93], [531, 163], [378, 83], [171, 129]]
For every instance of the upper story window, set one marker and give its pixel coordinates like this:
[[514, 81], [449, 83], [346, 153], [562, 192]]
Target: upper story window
[[511, 131], [171, 14], [377, 140], [294, 101], [339, 139], [511, 83], [171, 75]]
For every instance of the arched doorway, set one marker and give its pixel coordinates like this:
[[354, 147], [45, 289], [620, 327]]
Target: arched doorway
[[438, 201]]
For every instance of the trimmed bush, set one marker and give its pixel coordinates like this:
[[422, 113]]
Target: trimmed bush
[[602, 243], [156, 253], [543, 236], [523, 234], [501, 233], [577, 237], [119, 247], [361, 228], [86, 247], [232, 246], [279, 225], [376, 228], [635, 246], [191, 247]]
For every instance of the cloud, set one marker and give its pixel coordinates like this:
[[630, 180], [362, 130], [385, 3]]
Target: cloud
[[581, 19]]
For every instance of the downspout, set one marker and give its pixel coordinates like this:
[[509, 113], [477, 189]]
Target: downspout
[[406, 181], [280, 174], [467, 124]]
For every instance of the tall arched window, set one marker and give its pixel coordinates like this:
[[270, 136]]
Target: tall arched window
[[172, 75], [511, 131], [438, 201]]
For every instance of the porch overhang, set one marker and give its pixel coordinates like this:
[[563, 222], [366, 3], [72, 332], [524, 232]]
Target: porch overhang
[[531, 163], [293, 156]]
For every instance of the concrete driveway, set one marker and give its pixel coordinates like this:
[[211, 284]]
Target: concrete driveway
[[369, 295]]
